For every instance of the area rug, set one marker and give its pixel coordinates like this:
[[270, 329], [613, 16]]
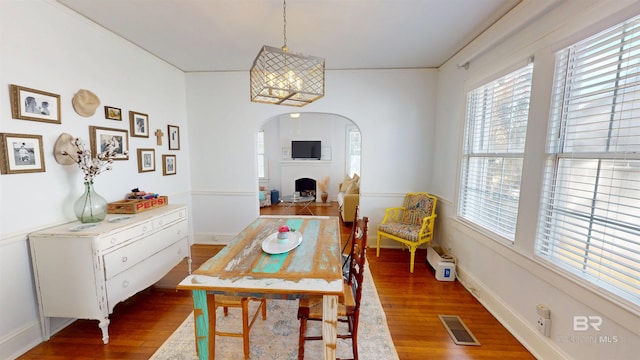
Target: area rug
[[277, 337]]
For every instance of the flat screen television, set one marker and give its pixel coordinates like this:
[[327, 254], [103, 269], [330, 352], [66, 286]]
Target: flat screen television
[[309, 149]]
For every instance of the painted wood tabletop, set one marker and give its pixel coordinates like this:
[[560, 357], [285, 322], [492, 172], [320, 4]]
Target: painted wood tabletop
[[243, 268]]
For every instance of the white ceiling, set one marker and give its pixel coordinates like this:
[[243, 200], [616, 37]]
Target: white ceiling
[[225, 35]]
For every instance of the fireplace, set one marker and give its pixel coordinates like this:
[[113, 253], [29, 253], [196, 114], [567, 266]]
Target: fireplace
[[306, 187]]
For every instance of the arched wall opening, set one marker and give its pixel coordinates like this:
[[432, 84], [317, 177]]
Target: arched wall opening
[[334, 131]]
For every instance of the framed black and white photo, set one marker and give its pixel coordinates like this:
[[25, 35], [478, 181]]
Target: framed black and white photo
[[174, 137], [112, 113], [101, 136], [169, 165], [146, 160], [21, 153], [36, 105], [139, 124]]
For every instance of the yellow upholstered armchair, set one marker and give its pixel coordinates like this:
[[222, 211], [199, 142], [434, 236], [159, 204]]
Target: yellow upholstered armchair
[[411, 224]]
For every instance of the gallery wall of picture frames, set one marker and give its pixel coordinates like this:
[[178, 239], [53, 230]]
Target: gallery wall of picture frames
[[24, 153]]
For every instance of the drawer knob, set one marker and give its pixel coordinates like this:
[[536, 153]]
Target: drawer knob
[[113, 240], [125, 283], [144, 228], [124, 259], [179, 232], [160, 222]]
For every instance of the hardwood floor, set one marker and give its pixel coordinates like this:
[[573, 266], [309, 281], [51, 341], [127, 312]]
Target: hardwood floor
[[412, 303]]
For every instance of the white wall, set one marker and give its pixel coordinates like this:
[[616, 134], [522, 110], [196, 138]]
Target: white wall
[[407, 146], [47, 47], [393, 109], [510, 280]]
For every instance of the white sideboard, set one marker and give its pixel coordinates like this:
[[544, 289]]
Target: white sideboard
[[84, 273]]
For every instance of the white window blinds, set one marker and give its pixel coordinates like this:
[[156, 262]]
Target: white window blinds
[[262, 168], [354, 149], [495, 131], [590, 213]]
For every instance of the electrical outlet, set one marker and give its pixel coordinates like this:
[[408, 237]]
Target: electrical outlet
[[544, 326]]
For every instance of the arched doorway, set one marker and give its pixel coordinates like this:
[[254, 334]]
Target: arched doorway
[[340, 140]]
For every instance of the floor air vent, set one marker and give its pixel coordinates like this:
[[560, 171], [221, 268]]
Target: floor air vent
[[458, 330]]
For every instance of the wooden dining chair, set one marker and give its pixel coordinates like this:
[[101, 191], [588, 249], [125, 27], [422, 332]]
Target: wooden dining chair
[[347, 255], [310, 309], [227, 302]]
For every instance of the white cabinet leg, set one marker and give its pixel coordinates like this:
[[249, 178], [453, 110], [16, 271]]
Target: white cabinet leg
[[104, 326]]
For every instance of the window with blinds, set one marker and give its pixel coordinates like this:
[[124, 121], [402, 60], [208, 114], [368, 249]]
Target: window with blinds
[[262, 166], [590, 211], [494, 137], [354, 149]]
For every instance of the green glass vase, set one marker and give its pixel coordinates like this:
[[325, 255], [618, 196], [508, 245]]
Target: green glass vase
[[90, 207]]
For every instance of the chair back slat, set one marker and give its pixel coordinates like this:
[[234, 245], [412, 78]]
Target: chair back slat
[[346, 257], [358, 258]]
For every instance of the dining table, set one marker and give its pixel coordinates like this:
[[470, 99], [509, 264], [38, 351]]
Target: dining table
[[256, 263]]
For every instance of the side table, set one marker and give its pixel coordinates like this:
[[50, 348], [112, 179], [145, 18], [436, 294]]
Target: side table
[[291, 200]]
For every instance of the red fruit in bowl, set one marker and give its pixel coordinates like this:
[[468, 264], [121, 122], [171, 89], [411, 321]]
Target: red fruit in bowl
[[283, 228]]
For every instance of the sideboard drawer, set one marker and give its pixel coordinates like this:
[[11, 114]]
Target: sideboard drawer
[[126, 234], [169, 218], [139, 276], [127, 256]]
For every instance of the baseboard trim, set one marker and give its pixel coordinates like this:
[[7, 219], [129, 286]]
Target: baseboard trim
[[539, 346], [212, 238], [20, 341]]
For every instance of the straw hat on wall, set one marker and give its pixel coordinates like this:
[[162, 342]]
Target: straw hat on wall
[[85, 103], [63, 145]]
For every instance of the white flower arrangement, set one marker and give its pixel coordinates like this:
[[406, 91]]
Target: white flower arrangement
[[92, 167]]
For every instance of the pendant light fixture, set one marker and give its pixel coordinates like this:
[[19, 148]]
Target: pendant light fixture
[[285, 78]]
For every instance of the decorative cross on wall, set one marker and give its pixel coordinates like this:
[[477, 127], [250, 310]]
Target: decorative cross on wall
[[159, 134]]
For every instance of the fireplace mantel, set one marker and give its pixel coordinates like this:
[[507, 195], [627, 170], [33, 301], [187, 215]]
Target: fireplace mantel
[[305, 162], [290, 170]]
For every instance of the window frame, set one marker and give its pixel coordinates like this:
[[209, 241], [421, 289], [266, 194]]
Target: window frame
[[351, 152], [557, 230], [261, 154], [520, 69]]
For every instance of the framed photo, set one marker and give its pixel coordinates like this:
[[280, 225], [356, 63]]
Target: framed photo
[[112, 113], [36, 105], [174, 137], [100, 136], [146, 160], [286, 153], [21, 153], [139, 124], [168, 164]]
